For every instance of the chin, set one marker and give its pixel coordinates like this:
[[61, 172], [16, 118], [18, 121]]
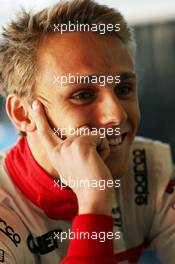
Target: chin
[[118, 161]]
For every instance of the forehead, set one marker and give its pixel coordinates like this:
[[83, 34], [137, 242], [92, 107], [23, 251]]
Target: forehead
[[83, 52]]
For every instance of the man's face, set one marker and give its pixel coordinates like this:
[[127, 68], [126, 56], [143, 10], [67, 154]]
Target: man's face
[[94, 105]]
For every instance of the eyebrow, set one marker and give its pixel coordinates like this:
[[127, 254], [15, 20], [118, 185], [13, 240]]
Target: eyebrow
[[127, 76], [123, 77]]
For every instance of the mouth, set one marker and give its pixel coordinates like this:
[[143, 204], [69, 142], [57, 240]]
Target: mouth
[[116, 141]]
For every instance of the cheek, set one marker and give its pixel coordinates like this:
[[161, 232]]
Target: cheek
[[134, 115], [72, 117], [133, 112]]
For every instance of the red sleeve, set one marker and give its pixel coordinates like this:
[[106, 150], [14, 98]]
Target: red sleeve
[[90, 250]]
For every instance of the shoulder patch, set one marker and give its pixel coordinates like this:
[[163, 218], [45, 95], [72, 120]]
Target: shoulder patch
[[2, 252], [171, 185], [140, 176]]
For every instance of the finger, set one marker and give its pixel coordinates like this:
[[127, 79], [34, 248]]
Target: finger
[[84, 130], [44, 131], [100, 144], [73, 133], [103, 148]]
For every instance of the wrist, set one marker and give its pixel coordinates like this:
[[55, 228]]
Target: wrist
[[100, 203]]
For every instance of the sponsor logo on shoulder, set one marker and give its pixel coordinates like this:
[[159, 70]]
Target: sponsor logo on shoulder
[[140, 177], [171, 185], [2, 256]]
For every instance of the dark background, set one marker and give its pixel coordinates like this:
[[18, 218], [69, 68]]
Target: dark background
[[155, 63]]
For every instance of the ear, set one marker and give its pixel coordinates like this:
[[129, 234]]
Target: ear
[[17, 110]]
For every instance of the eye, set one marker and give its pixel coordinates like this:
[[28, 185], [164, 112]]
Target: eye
[[123, 91], [84, 95]]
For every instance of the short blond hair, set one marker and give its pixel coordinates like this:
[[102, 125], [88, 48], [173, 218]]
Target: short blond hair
[[21, 38]]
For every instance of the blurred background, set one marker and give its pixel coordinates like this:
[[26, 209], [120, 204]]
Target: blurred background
[[154, 24]]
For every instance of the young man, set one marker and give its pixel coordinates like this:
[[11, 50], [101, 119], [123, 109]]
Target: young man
[[53, 207]]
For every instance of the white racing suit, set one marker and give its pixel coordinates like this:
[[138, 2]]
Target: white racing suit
[[144, 213]]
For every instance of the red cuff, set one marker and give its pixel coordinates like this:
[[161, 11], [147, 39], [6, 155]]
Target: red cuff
[[96, 238]]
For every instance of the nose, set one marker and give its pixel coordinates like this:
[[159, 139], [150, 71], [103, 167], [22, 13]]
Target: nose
[[111, 110]]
